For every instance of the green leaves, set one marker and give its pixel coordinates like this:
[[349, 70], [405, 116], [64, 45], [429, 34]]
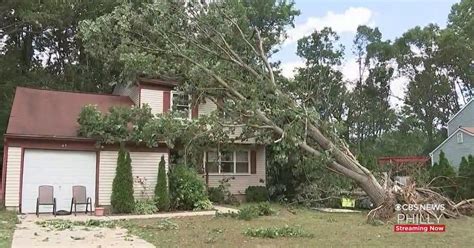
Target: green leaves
[[161, 190], [122, 199]]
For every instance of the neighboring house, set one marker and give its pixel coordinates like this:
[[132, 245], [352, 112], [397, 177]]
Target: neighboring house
[[460, 141], [42, 146]]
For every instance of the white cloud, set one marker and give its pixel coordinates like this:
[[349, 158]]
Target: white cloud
[[350, 72], [288, 68], [348, 21], [398, 87]]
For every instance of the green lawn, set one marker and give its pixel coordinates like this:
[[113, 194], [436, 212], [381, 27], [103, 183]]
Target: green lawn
[[328, 229], [8, 220]]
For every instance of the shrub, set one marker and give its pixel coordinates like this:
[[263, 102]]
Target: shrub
[[203, 205], [161, 190], [250, 212], [186, 188], [265, 209], [466, 177], [122, 187], [443, 175], [276, 232], [216, 194], [256, 194], [145, 206], [221, 193]]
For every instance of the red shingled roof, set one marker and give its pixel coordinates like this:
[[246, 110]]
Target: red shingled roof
[[49, 113]]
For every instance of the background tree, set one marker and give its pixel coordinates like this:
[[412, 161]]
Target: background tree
[[318, 84], [431, 96], [370, 114], [161, 190], [122, 199], [40, 48]]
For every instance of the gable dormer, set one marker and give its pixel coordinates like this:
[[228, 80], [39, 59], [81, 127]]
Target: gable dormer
[[159, 94], [463, 118]]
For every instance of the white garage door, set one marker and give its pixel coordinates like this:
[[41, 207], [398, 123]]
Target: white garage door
[[61, 169]]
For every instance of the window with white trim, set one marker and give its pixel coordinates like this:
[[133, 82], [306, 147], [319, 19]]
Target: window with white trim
[[460, 138], [181, 103], [228, 162]]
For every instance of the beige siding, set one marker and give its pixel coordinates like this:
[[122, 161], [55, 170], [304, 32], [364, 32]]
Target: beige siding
[[12, 187], [241, 182], [206, 108], [154, 98], [144, 165], [107, 165]]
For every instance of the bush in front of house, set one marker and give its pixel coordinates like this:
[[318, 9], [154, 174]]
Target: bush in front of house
[[256, 194], [162, 197], [466, 177], [122, 199], [442, 177], [187, 190], [221, 194], [216, 194], [145, 206]]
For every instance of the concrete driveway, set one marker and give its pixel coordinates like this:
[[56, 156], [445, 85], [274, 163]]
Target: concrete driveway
[[29, 234]]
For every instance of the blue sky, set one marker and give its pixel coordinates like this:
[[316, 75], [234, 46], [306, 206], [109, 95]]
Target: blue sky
[[392, 17]]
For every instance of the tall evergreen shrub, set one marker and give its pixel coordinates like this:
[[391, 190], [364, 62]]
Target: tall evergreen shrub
[[122, 199], [466, 177], [444, 177], [161, 190]]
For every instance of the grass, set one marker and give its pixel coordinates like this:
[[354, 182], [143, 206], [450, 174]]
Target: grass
[[8, 221], [322, 229]]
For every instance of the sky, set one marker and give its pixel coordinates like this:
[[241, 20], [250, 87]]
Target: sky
[[392, 17]]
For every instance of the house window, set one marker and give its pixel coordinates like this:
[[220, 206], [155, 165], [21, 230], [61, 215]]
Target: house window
[[460, 138], [227, 162], [212, 162], [181, 104]]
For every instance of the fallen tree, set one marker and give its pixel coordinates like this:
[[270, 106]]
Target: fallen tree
[[221, 55]]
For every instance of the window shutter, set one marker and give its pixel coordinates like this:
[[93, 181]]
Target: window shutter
[[253, 162], [166, 101], [195, 110]]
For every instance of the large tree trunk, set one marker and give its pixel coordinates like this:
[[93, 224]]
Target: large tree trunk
[[374, 190]]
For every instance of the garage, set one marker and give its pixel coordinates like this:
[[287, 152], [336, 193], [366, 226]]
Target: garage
[[60, 169]]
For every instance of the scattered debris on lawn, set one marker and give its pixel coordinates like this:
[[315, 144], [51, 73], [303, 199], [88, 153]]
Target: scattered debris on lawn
[[336, 210], [60, 225], [277, 232], [77, 238]]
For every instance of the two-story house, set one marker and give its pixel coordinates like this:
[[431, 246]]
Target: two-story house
[[42, 147], [460, 141]]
